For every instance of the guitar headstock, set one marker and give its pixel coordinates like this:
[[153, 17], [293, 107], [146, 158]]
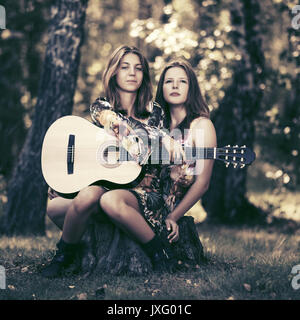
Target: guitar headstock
[[239, 157]]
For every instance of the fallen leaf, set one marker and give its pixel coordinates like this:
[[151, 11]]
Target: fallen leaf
[[11, 287], [155, 291], [247, 287], [25, 269], [230, 298], [71, 287], [82, 296]]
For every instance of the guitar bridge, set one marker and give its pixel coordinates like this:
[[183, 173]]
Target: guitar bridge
[[70, 154]]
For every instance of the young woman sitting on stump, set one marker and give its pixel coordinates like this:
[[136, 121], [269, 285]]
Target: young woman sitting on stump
[[128, 113]]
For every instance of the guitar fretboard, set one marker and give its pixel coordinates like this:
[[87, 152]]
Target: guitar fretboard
[[161, 156]]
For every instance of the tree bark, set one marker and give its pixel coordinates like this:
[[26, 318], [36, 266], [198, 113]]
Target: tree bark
[[27, 190], [226, 200], [107, 249]]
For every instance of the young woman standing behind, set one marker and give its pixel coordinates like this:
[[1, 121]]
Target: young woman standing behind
[[183, 185]]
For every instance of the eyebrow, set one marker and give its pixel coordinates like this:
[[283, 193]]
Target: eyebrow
[[182, 78], [137, 64]]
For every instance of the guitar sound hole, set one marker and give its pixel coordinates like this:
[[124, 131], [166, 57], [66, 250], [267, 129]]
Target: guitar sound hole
[[108, 155], [111, 155]]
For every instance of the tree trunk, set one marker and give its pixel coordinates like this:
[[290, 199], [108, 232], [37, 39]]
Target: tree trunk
[[106, 249], [226, 200], [144, 13], [27, 190]]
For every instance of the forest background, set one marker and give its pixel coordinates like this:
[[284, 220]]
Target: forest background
[[219, 38], [246, 55]]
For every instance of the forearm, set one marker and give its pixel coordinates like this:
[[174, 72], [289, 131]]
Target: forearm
[[194, 194]]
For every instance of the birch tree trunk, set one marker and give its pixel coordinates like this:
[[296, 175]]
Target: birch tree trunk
[[27, 190]]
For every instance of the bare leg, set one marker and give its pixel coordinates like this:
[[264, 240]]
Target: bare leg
[[57, 209], [123, 208], [79, 211]]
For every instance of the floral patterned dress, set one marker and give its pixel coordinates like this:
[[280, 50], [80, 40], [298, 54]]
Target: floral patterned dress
[[163, 186], [147, 192], [176, 180]]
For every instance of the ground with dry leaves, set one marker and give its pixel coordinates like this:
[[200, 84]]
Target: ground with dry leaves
[[242, 263]]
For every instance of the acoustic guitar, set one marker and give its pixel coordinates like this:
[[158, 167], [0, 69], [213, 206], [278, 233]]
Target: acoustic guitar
[[76, 153]]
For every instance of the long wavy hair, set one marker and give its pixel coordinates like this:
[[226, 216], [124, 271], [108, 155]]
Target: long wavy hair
[[195, 104], [144, 94]]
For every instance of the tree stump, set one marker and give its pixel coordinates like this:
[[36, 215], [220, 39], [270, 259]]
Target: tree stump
[[107, 249]]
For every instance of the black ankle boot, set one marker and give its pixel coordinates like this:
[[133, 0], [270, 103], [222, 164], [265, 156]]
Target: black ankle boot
[[64, 257], [161, 255]]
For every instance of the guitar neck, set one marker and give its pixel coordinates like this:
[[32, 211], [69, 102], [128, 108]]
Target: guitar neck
[[191, 153]]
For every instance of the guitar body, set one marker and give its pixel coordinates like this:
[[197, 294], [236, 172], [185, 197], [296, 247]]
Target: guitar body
[[75, 155]]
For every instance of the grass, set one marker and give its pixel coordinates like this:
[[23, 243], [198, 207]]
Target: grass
[[243, 264]]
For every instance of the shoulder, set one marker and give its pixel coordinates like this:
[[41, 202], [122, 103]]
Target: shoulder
[[102, 101], [98, 106], [203, 128], [202, 123]]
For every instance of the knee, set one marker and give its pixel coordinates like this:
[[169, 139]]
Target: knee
[[113, 206], [86, 200], [50, 211], [53, 211]]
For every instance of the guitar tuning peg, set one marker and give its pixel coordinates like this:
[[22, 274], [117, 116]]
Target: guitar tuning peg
[[243, 146], [227, 164], [228, 146], [242, 166], [236, 146], [235, 165]]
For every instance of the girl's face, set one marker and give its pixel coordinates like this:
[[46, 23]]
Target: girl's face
[[130, 73], [175, 86]]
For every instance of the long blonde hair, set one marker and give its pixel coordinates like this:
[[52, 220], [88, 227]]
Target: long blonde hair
[[144, 94]]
